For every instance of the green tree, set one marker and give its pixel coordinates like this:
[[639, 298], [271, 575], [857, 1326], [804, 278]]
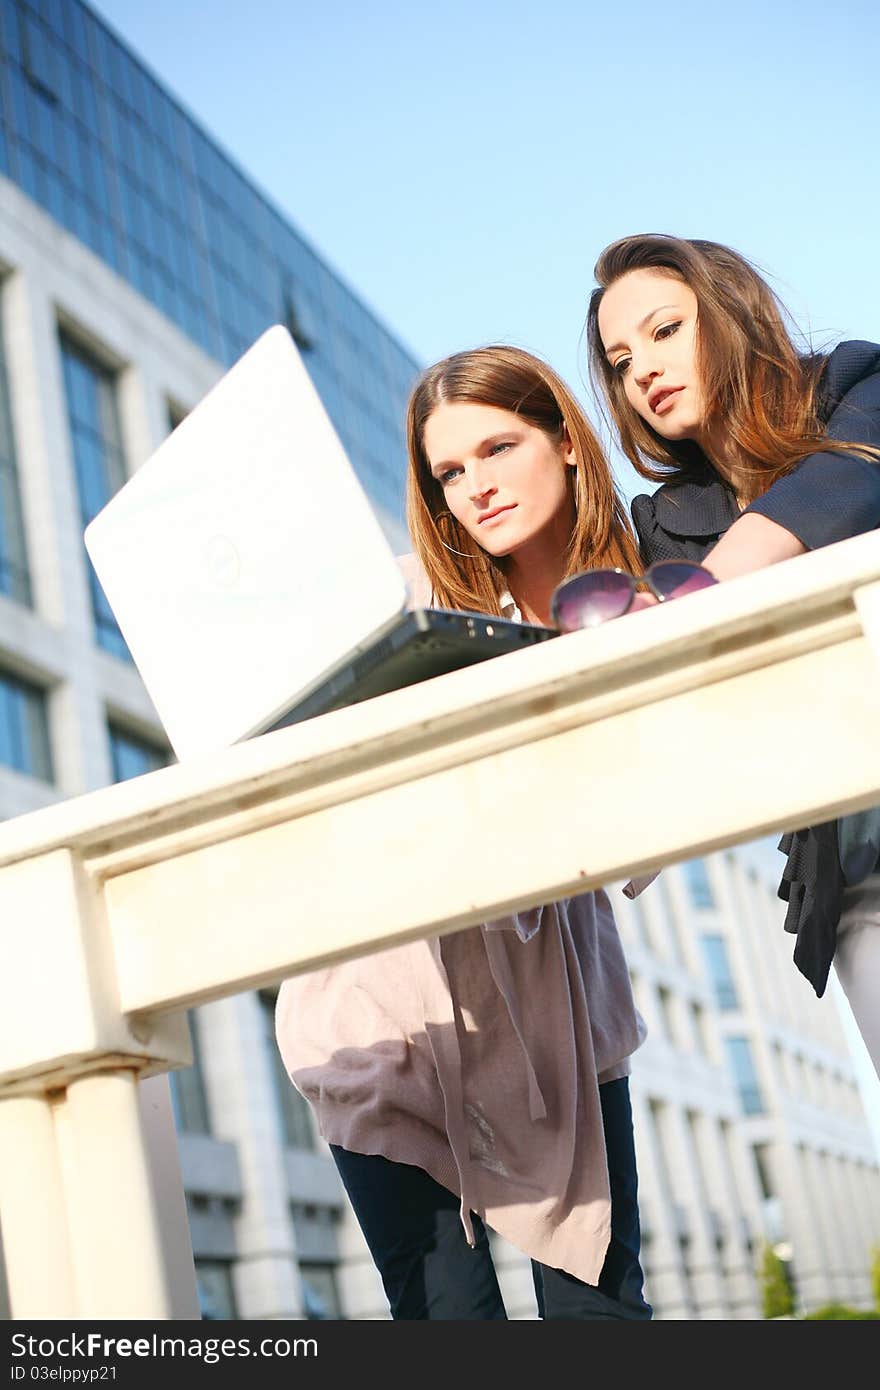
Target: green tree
[[875, 1276], [777, 1295]]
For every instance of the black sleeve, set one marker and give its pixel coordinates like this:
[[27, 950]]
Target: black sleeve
[[645, 523], [830, 497], [654, 542]]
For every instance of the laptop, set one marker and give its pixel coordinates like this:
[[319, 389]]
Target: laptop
[[250, 576]]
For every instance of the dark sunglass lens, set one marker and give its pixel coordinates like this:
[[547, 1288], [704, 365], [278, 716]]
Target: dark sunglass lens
[[590, 599], [674, 579]]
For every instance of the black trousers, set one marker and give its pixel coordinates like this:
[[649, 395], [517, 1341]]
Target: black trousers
[[414, 1232]]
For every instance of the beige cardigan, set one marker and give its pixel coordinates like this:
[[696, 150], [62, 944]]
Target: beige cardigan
[[477, 1057]]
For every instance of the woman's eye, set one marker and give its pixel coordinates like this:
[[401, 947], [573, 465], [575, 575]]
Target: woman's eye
[[447, 476], [621, 366], [667, 330], [500, 448]]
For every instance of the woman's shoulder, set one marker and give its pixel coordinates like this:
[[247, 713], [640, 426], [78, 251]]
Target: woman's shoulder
[[846, 366], [700, 506], [417, 582]]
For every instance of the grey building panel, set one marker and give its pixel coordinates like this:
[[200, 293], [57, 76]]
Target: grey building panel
[[312, 1179], [210, 1166], [212, 1234], [316, 1237]]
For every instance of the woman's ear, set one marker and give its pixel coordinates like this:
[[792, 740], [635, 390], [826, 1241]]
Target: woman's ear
[[569, 457]]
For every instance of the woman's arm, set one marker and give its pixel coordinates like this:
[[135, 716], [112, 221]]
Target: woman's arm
[[827, 497], [751, 542]]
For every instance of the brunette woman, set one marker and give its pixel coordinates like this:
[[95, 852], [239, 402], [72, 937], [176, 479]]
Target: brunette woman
[[762, 452]]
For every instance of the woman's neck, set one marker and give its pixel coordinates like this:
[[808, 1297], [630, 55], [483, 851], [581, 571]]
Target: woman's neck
[[728, 462], [532, 577]]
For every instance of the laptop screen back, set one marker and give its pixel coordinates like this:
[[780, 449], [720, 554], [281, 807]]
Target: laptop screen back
[[243, 558]]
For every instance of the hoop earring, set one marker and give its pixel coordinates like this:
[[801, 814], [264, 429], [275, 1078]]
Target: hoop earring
[[453, 551], [452, 548]]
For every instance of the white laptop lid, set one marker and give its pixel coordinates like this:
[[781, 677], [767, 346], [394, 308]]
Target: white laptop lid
[[243, 559]]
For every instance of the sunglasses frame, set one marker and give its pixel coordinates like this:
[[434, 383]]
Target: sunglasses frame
[[634, 584]]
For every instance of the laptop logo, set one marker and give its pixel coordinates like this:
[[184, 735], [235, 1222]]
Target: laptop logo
[[222, 562]]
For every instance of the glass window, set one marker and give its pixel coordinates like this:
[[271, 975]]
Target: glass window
[[664, 997], [293, 1109], [133, 756], [97, 454], [189, 1097], [761, 1155], [670, 914], [720, 974], [692, 1126], [14, 576], [295, 321], [37, 55], [24, 727], [216, 1292], [700, 1030], [320, 1291], [75, 30], [176, 415], [696, 876], [739, 1055], [637, 912]]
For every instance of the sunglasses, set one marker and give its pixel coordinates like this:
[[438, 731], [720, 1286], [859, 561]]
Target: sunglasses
[[591, 598]]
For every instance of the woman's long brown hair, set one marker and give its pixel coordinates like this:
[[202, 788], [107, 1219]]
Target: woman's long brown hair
[[756, 383], [509, 379]]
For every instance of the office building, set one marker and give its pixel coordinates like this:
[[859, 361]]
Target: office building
[[137, 262]]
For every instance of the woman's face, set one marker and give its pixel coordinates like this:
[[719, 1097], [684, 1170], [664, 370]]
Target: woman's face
[[503, 479], [648, 326]]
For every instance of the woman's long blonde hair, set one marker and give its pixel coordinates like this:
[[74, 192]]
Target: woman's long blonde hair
[[755, 381], [509, 379]]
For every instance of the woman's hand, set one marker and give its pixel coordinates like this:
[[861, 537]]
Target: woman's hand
[[642, 600]]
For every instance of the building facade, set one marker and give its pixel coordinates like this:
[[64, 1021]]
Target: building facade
[[750, 1126], [136, 264]]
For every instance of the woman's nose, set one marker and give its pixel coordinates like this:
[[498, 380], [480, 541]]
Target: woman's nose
[[479, 484], [646, 370], [645, 366]]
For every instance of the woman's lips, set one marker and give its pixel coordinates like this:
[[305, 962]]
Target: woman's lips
[[495, 512], [665, 399]]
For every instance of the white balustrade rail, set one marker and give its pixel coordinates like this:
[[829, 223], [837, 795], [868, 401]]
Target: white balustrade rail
[[708, 721]]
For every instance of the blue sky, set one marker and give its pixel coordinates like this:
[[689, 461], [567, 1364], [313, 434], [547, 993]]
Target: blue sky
[[461, 165]]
